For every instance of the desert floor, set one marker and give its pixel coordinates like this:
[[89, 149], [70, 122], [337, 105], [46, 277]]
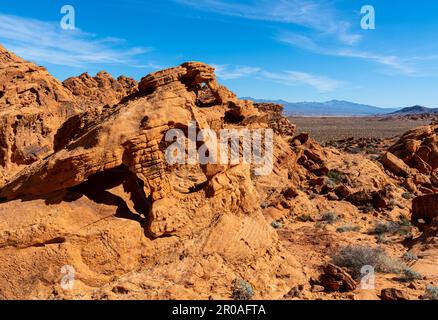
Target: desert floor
[[324, 129]]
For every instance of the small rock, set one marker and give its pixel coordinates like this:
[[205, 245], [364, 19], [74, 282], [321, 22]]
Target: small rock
[[336, 279], [393, 295], [295, 292], [332, 196], [412, 286], [317, 288]]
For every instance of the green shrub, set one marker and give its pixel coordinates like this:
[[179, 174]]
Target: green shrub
[[242, 290], [276, 225], [336, 177], [408, 196], [305, 218]]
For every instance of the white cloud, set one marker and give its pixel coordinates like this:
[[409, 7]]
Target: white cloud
[[46, 42], [225, 73], [316, 16], [401, 65], [288, 78], [293, 78]]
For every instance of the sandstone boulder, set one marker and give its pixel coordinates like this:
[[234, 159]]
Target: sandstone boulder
[[419, 148], [395, 165], [425, 208], [106, 202]]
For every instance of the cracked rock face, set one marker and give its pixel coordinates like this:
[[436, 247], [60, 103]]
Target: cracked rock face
[[33, 105], [132, 135], [101, 90]]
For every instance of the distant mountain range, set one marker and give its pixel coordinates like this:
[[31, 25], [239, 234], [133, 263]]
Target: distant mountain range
[[329, 108], [415, 110]]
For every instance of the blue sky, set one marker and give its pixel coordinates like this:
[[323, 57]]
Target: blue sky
[[296, 50]]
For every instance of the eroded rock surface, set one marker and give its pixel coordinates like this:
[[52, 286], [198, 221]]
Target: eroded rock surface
[[33, 105], [121, 216]]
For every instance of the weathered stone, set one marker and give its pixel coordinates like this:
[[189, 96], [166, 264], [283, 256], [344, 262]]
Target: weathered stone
[[393, 295], [395, 165], [335, 278], [425, 208]]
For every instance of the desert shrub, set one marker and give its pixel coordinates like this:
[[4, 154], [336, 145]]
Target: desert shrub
[[404, 222], [409, 256], [409, 275], [276, 225], [264, 205], [305, 218], [385, 227], [329, 217], [348, 228], [336, 177], [382, 239], [408, 196], [355, 257], [242, 290], [431, 293]]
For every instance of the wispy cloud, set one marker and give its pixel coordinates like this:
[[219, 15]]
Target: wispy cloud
[[322, 84], [325, 32], [317, 16], [226, 73], [293, 78], [401, 65], [47, 42]]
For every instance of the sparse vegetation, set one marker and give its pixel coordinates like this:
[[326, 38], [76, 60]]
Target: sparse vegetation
[[336, 177], [242, 290], [355, 257], [382, 239], [264, 205], [409, 275], [348, 228], [431, 293], [325, 129], [276, 225], [408, 196], [329, 217], [382, 229], [405, 222], [312, 196], [385, 227], [409, 256], [305, 218]]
